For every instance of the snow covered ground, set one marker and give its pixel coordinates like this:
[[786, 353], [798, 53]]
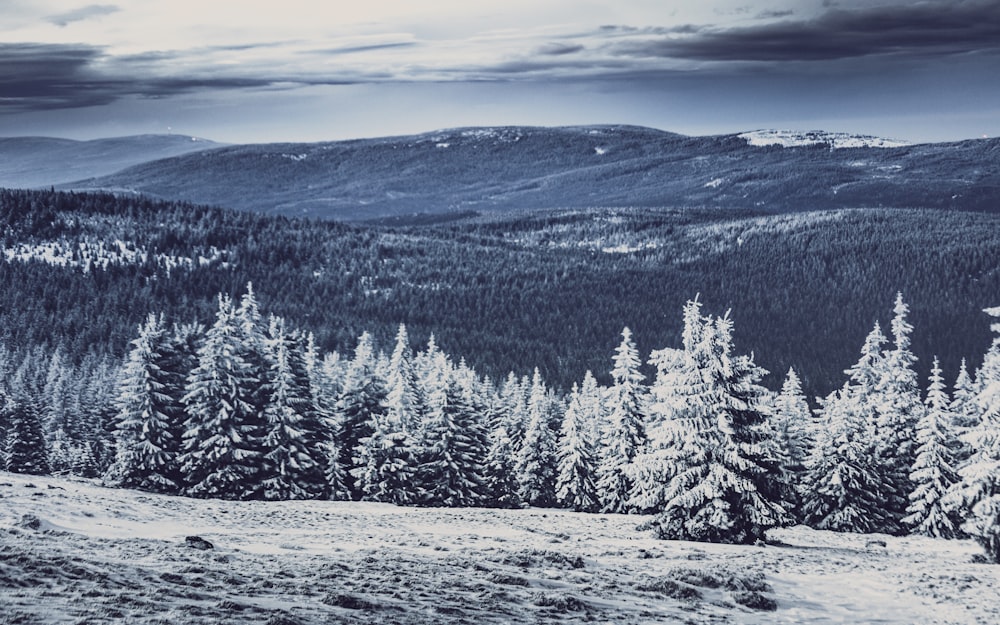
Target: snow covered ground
[[73, 552], [839, 140]]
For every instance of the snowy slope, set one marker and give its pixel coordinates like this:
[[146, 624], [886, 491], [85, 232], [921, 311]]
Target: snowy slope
[[73, 552], [836, 140]]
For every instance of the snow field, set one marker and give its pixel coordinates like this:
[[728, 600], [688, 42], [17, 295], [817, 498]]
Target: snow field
[[73, 552]]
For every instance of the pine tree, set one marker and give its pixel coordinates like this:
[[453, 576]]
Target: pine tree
[[592, 412], [626, 435], [361, 404], [965, 411], [575, 486], [654, 467], [536, 468], [455, 449], [149, 422], [847, 485], [793, 425], [385, 464], [295, 466], [898, 410], [500, 471], [224, 433], [25, 451], [722, 490], [844, 481], [977, 496], [404, 400], [933, 471]]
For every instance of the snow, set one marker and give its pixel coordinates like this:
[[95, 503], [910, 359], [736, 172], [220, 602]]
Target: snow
[[600, 151], [99, 555], [714, 184], [99, 255], [791, 138]]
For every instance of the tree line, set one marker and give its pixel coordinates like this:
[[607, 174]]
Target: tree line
[[249, 408]]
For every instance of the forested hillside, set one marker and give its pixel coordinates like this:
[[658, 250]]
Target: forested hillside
[[27, 162], [550, 290], [509, 168]]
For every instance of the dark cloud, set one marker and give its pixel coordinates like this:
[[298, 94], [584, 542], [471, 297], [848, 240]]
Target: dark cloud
[[83, 13], [559, 49], [51, 76], [767, 15], [366, 48], [55, 76], [919, 29]]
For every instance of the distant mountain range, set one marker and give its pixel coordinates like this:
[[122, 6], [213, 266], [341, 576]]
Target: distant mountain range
[[34, 162], [515, 168]]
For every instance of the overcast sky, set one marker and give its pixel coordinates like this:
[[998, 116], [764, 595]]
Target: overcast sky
[[304, 70]]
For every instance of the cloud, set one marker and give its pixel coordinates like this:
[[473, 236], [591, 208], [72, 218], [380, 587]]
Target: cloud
[[51, 76], [919, 29], [368, 47], [83, 13], [57, 76], [769, 15], [559, 49]]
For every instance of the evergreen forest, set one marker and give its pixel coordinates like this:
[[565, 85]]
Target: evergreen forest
[[190, 350]]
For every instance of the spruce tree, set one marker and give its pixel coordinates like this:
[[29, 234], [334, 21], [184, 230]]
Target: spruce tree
[[898, 409], [455, 449], [404, 400], [933, 471], [224, 433], [844, 481], [656, 464], [793, 427], [626, 433], [575, 486], [385, 465], [295, 467], [501, 486], [722, 489], [848, 488], [361, 404], [964, 410], [536, 468], [149, 423], [25, 451], [977, 496]]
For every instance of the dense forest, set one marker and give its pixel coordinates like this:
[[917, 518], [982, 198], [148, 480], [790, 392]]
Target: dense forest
[[513, 292], [247, 407], [112, 365]]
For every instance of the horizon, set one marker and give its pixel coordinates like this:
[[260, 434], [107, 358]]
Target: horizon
[[434, 131]]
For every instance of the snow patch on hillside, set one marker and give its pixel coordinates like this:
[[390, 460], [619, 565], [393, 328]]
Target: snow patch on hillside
[[835, 140], [99, 255]]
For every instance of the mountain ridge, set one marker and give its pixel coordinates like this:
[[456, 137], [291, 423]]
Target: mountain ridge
[[39, 161], [502, 168]]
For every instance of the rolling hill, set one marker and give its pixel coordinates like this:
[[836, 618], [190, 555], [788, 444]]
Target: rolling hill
[[33, 162], [511, 168]]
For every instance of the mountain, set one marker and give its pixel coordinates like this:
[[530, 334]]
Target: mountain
[[33, 162], [507, 291], [511, 168]]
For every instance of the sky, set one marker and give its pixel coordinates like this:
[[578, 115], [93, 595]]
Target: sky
[[244, 71]]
